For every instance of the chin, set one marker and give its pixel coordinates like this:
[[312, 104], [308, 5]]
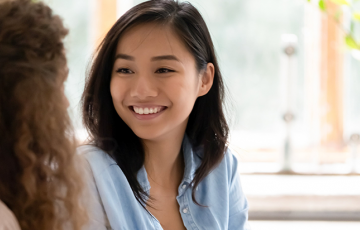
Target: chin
[[147, 133]]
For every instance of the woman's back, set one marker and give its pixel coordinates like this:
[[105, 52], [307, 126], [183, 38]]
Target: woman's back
[[39, 181]]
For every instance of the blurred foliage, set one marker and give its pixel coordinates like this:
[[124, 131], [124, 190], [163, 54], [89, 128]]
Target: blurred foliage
[[350, 39]]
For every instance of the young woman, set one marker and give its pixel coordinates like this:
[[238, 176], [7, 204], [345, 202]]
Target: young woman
[[153, 104], [40, 185]]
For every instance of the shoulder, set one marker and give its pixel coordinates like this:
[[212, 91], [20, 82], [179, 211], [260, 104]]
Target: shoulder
[[227, 169], [229, 164], [9, 221], [98, 159], [230, 160], [100, 168]]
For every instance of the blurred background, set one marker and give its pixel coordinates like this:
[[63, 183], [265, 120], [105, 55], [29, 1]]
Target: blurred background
[[292, 69]]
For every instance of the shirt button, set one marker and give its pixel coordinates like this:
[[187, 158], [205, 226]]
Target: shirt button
[[185, 210], [184, 186]]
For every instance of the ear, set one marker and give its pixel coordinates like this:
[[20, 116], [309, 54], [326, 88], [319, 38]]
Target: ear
[[207, 79]]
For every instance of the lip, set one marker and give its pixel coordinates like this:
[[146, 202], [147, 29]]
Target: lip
[[146, 116]]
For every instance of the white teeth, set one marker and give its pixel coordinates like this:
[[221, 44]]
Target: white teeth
[[146, 110]]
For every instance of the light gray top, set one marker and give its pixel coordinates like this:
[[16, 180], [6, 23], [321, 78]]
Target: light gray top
[[8, 220]]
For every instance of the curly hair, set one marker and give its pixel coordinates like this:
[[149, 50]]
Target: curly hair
[[39, 177]]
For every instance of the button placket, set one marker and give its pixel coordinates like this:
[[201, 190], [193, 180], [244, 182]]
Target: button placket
[[186, 212], [182, 188]]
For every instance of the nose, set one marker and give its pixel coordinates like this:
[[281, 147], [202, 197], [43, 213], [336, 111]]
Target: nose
[[144, 87]]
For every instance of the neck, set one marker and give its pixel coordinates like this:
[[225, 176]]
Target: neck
[[164, 162]]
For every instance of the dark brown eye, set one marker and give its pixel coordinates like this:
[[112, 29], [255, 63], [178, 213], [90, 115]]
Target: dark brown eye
[[164, 70], [124, 70]]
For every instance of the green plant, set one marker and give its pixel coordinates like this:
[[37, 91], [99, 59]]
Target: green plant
[[350, 38]]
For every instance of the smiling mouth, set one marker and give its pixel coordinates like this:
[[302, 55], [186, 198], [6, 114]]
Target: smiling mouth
[[147, 110]]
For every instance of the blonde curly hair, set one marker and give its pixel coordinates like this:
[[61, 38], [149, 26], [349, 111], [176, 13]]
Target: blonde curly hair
[[39, 176]]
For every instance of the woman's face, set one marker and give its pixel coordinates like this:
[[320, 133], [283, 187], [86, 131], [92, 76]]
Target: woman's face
[[154, 82]]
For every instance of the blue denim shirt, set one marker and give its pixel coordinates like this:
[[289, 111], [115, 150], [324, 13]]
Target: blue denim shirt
[[220, 191]]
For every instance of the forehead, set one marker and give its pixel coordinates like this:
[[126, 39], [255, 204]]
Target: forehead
[[152, 39]]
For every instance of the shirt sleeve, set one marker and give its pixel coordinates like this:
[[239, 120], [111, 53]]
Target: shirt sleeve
[[97, 217], [238, 205], [8, 219]]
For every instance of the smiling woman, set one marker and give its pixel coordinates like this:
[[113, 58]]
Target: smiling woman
[[160, 75], [153, 105]]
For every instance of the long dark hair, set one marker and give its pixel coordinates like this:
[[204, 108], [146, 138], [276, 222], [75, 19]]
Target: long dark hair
[[207, 127]]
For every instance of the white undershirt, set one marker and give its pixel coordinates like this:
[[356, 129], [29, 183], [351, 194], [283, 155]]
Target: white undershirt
[[8, 220]]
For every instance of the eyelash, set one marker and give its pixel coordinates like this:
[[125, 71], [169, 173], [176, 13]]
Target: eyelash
[[122, 70], [166, 69]]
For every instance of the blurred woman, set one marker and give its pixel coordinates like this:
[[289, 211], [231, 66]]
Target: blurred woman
[[40, 183]]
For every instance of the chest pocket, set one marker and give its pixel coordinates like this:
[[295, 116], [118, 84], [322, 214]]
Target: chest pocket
[[201, 218]]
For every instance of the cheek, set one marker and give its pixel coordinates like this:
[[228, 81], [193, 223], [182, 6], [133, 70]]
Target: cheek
[[184, 95], [117, 91]]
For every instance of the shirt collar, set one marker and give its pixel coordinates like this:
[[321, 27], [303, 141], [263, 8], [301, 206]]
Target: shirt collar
[[190, 166], [143, 180], [189, 160]]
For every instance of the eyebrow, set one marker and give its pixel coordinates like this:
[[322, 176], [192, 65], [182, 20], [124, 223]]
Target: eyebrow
[[165, 57], [124, 56], [157, 58]]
